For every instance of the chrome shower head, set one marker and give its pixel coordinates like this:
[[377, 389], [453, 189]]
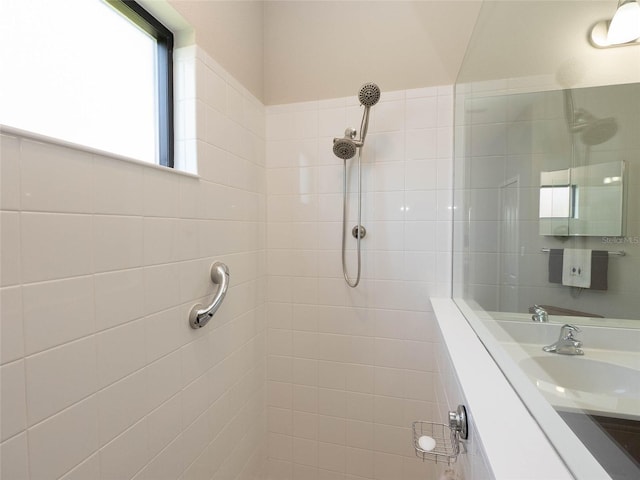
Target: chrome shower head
[[344, 148], [369, 94], [347, 147]]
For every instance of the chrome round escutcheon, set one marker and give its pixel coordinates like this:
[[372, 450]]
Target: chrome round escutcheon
[[359, 231], [458, 421]]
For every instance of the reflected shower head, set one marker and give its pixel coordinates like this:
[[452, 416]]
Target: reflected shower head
[[598, 131], [593, 130], [369, 94], [344, 148]]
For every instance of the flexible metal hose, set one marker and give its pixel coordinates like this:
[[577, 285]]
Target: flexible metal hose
[[355, 283]]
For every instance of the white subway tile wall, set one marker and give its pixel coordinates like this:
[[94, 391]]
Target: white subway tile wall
[[102, 259], [472, 463], [348, 370], [297, 376]]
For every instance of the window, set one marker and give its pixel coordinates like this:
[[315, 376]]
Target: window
[[92, 72]]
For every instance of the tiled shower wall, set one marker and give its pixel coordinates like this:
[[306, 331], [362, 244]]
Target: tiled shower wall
[[102, 259], [472, 462], [348, 370]]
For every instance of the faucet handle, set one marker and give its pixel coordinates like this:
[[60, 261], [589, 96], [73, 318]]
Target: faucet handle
[[567, 331]]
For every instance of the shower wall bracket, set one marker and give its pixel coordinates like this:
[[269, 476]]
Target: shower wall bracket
[[199, 316]]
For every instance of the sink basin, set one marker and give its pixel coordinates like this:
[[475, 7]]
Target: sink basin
[[584, 374]]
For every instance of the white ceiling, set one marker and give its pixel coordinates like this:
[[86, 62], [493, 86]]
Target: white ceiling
[[325, 49]]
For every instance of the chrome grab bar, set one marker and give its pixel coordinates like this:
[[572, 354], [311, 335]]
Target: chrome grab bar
[[199, 316]]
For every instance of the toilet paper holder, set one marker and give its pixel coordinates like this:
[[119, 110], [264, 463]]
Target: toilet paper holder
[[447, 437]]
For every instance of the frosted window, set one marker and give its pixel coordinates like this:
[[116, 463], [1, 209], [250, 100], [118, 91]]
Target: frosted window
[[555, 202], [79, 71]]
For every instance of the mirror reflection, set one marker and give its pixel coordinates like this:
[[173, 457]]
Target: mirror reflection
[[547, 222], [547, 253], [528, 184]]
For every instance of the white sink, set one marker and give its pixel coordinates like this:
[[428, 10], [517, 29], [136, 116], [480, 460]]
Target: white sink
[[585, 375], [605, 380]]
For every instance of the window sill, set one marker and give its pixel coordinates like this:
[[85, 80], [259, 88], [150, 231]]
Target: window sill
[[4, 129]]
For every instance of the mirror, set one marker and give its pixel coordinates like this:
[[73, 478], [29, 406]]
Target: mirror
[[582, 201]]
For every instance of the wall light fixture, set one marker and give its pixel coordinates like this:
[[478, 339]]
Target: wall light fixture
[[622, 30]]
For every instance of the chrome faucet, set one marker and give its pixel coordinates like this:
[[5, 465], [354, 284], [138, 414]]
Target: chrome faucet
[[539, 314], [567, 343]]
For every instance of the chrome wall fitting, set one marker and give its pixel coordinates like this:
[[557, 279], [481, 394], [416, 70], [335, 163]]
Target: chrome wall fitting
[[350, 133], [359, 231], [199, 316]]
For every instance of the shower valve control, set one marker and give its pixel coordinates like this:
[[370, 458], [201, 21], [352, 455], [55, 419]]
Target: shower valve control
[[359, 231]]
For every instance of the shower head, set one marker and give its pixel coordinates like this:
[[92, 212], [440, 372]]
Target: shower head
[[369, 94], [599, 131], [344, 148]]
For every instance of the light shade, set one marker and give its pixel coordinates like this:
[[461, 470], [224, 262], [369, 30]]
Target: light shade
[[625, 24]]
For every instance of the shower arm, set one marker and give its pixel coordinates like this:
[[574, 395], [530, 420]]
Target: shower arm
[[350, 133], [364, 126], [571, 113]]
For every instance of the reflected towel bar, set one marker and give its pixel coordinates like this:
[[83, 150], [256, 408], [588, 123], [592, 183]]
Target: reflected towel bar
[[619, 253], [199, 315]]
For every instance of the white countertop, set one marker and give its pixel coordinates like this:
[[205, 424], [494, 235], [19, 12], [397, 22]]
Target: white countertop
[[493, 337], [517, 448]]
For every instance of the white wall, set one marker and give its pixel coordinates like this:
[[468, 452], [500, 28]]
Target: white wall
[[230, 31], [350, 369], [102, 259]]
